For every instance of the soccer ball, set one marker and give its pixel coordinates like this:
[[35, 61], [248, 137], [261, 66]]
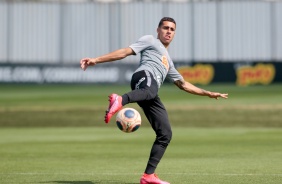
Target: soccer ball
[[128, 120]]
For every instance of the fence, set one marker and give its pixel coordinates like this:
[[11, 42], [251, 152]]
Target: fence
[[63, 32]]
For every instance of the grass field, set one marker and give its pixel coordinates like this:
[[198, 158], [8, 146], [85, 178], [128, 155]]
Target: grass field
[[55, 134], [84, 105]]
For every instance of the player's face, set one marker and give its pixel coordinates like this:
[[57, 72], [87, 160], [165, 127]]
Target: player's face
[[166, 32]]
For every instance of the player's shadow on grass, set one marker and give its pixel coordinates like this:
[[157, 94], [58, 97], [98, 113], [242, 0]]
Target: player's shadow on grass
[[74, 182], [89, 182]]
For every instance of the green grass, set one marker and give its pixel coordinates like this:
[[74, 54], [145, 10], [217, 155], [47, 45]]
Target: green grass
[[107, 155], [84, 105], [56, 134]]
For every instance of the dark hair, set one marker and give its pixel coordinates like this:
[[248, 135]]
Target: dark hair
[[166, 19]]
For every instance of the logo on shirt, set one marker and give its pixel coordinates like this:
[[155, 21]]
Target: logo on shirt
[[165, 62]]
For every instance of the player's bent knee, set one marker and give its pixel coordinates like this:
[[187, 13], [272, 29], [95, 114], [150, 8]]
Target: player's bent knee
[[165, 138]]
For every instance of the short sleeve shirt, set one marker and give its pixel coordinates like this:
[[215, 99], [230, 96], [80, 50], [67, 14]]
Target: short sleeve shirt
[[155, 59]]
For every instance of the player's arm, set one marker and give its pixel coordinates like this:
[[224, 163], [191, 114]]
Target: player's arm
[[112, 56], [190, 88]]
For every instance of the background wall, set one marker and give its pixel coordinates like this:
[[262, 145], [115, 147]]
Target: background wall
[[62, 32]]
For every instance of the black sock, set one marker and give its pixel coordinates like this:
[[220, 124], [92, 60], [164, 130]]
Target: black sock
[[125, 99]]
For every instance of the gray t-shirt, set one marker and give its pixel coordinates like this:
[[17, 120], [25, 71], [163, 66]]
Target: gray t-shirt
[[155, 59]]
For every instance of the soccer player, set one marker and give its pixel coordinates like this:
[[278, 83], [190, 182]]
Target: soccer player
[[155, 65]]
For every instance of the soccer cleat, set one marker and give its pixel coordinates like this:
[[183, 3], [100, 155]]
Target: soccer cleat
[[114, 106], [151, 179]]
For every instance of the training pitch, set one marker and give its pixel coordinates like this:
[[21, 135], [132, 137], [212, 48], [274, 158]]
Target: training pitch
[[56, 134]]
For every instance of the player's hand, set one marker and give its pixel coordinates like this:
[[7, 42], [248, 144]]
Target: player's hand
[[218, 95], [85, 62]]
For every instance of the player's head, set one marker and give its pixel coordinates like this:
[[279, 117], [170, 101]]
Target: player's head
[[166, 30], [169, 19]]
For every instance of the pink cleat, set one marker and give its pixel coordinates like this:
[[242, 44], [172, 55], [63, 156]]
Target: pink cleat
[[114, 106], [151, 179]]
